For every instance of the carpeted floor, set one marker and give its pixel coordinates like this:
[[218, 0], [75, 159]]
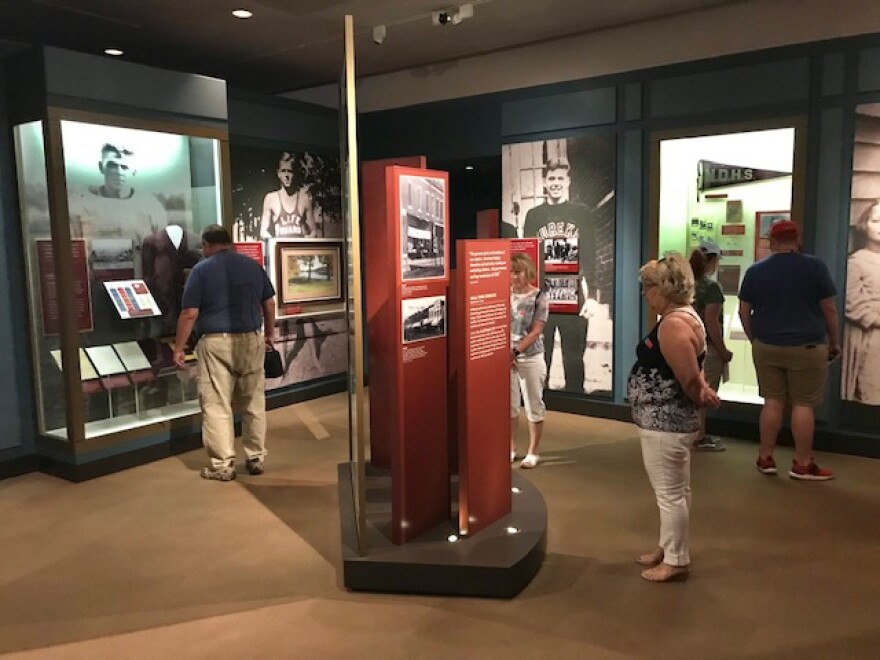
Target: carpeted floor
[[155, 562]]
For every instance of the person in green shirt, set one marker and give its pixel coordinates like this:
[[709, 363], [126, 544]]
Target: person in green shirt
[[709, 304]]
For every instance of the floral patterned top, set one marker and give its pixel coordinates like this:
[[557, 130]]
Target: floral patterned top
[[525, 309], [658, 400]]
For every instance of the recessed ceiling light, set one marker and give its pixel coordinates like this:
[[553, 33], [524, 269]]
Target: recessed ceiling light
[[242, 13], [468, 167], [112, 51]]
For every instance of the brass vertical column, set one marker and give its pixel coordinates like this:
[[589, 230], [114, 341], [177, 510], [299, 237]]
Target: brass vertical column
[[64, 283], [357, 430]]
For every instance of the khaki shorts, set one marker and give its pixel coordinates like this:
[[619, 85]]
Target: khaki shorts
[[795, 374]]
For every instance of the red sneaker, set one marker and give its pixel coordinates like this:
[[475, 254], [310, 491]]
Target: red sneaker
[[811, 472], [766, 465]]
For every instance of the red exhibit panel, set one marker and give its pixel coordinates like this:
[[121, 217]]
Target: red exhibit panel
[[419, 228], [252, 249], [560, 255], [483, 295], [562, 292], [488, 223], [49, 291], [379, 276]]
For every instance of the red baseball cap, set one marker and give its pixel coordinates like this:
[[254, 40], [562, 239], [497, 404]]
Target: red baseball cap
[[785, 229]]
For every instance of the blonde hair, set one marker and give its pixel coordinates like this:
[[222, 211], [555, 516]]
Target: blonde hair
[[673, 277], [520, 261]]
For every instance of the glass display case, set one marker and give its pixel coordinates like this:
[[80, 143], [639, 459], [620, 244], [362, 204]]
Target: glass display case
[[727, 188], [112, 217]]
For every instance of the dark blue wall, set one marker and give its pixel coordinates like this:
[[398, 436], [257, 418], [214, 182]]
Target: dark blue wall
[[821, 83], [16, 391]]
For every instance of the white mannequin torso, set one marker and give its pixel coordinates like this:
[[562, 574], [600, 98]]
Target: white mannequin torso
[[175, 235]]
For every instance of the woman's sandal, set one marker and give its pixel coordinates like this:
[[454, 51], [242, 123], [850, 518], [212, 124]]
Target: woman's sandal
[[650, 558], [530, 461], [666, 573]]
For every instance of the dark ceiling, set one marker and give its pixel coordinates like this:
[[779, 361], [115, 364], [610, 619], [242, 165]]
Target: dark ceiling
[[294, 44]]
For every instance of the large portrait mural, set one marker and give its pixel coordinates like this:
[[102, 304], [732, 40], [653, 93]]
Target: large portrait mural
[[290, 200], [279, 193], [861, 334], [562, 192]]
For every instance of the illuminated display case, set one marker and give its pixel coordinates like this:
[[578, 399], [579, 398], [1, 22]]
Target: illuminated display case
[[728, 187], [112, 212]]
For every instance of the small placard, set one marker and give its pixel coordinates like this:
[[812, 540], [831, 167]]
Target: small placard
[[132, 299]]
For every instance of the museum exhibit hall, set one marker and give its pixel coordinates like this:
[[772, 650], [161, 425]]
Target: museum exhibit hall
[[535, 282]]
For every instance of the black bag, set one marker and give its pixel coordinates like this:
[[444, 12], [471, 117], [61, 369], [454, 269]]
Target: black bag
[[273, 365]]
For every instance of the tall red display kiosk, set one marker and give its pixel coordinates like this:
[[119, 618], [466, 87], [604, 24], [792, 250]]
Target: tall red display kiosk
[[470, 540]]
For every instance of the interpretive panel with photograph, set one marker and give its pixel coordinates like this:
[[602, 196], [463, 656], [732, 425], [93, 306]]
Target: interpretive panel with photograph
[[423, 318], [422, 227]]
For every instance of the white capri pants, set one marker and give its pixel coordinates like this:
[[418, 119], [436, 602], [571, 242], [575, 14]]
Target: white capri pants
[[667, 458], [527, 380]]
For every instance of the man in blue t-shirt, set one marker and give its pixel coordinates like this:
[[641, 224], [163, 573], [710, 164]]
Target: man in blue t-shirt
[[230, 298], [788, 311]]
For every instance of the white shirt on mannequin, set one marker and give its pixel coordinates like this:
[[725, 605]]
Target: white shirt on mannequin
[[175, 234]]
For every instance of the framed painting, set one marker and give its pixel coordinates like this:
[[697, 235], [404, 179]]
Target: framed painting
[[767, 218], [308, 272]]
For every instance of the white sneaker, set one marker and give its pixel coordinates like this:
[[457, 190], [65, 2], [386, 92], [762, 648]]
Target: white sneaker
[[530, 461]]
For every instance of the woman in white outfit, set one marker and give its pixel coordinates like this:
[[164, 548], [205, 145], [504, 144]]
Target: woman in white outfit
[[667, 388], [528, 371]]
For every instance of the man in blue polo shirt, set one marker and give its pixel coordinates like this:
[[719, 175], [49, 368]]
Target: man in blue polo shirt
[[787, 308], [230, 297]]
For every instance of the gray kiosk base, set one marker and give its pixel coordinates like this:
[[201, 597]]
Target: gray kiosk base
[[496, 563]]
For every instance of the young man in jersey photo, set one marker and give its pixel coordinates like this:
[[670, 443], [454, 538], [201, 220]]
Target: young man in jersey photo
[[288, 212], [561, 219]]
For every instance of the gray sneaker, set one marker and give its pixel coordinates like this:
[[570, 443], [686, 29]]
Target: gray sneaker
[[710, 444], [219, 474], [254, 466]]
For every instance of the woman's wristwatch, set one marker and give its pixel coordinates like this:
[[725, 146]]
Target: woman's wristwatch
[[515, 353]]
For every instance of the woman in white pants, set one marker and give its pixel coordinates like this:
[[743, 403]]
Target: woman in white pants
[[667, 388], [528, 371]]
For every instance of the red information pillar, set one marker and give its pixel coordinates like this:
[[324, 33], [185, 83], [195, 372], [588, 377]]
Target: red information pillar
[[379, 272], [488, 223], [483, 304], [418, 231]]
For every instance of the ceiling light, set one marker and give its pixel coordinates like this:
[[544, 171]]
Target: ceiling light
[[468, 167], [112, 51], [242, 13]]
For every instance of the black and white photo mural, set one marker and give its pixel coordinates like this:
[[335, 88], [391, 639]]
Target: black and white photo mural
[[861, 334], [285, 194], [290, 196], [563, 192]]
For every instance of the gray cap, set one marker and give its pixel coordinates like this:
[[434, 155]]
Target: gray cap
[[710, 247]]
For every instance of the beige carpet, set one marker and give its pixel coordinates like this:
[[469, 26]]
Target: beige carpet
[[155, 562]]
